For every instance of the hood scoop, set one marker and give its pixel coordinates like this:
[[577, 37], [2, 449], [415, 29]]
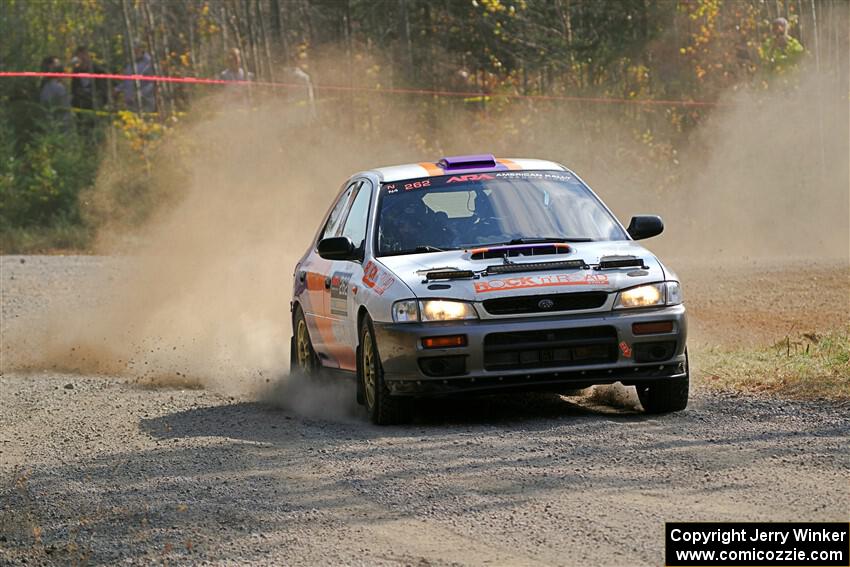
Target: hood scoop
[[515, 267], [513, 251], [486, 161], [614, 262]]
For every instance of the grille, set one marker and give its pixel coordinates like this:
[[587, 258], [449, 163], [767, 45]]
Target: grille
[[560, 302], [549, 348]]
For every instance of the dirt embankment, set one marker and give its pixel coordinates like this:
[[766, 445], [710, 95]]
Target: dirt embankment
[[759, 302]]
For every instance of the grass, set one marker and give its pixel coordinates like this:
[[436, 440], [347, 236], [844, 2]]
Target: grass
[[45, 240], [808, 366]]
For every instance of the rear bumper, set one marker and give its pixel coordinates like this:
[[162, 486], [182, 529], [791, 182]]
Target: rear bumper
[[471, 368]]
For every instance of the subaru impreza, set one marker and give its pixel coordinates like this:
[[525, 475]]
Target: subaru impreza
[[474, 274]]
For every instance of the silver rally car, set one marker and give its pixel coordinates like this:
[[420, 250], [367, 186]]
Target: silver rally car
[[478, 274]]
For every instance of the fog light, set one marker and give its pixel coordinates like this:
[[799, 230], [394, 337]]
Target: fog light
[[441, 366], [652, 327], [654, 351], [444, 342]]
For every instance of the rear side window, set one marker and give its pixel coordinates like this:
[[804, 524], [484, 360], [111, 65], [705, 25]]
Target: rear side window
[[334, 220], [355, 224]]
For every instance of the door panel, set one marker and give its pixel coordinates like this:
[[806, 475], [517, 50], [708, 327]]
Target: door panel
[[342, 300], [313, 299], [341, 310], [315, 273]]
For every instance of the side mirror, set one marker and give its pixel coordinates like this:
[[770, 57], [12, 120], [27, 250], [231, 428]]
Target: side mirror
[[337, 248], [645, 226]]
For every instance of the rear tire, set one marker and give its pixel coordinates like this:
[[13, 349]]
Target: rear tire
[[383, 408], [666, 396], [302, 357]]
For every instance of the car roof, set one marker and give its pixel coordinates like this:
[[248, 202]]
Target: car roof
[[461, 165]]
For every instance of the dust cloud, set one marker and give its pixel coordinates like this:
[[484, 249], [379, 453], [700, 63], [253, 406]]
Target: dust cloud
[[201, 292], [323, 398], [768, 176]]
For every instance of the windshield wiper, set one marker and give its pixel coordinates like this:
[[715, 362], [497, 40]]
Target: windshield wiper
[[418, 250], [545, 239]]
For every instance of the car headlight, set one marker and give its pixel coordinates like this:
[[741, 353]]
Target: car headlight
[[674, 293], [650, 295], [432, 310], [405, 311], [442, 310]]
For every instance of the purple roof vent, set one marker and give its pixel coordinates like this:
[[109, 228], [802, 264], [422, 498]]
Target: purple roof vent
[[467, 162]]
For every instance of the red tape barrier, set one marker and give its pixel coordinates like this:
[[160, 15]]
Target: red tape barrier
[[374, 90]]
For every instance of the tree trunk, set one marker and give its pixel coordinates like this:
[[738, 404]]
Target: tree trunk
[[160, 92], [408, 41], [276, 24], [264, 41], [128, 27]]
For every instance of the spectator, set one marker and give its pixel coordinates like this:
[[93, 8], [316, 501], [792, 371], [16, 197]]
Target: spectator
[[53, 93], [781, 52], [235, 71], [88, 94], [304, 96], [142, 64]]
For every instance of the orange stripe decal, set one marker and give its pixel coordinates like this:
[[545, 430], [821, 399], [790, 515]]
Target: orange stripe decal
[[315, 282], [431, 168], [509, 164]]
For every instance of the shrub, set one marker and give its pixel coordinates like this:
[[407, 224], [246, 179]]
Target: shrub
[[40, 181]]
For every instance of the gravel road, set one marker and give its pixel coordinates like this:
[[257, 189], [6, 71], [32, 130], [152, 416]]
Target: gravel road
[[100, 470]]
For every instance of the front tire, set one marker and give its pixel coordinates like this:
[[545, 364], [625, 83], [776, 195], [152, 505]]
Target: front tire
[[666, 396], [383, 408]]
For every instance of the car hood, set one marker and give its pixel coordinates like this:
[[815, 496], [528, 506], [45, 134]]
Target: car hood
[[413, 267]]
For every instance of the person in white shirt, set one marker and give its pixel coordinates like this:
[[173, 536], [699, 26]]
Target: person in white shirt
[[143, 66], [235, 71]]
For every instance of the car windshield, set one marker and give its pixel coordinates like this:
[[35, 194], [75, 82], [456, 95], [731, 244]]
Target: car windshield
[[461, 211]]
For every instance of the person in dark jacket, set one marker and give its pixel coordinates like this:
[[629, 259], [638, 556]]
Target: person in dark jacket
[[88, 94]]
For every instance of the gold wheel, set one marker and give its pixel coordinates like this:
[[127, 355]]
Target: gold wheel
[[370, 373], [302, 347]]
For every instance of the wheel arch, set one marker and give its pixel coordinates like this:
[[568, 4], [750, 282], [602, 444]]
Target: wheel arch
[[295, 306], [362, 313]]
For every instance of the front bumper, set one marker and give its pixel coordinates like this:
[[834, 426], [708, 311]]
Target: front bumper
[[408, 366]]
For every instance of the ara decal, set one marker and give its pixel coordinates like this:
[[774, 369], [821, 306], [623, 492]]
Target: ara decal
[[626, 349], [470, 177]]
